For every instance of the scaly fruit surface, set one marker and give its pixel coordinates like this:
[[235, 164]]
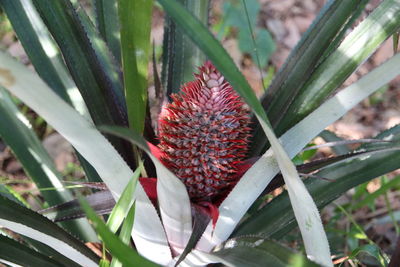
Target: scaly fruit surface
[[204, 134]]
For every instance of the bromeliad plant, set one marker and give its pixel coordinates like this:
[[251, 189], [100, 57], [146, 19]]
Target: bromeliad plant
[[209, 170]]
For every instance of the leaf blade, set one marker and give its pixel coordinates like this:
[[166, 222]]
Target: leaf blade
[[123, 204], [135, 21], [108, 25], [121, 251], [17, 133], [257, 251], [26, 222], [15, 252], [323, 35], [260, 174], [93, 146], [353, 51]]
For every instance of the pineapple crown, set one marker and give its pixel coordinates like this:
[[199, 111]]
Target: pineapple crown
[[204, 135]]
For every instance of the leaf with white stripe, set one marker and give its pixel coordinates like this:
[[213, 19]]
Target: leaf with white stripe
[[17, 253], [31, 224], [92, 145], [260, 174]]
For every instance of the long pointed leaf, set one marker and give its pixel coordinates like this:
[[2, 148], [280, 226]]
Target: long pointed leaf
[[90, 64], [102, 202], [24, 20], [297, 137], [126, 232], [49, 252], [93, 146], [86, 68], [276, 218], [108, 25], [26, 222], [326, 30], [180, 55], [354, 50], [124, 253], [304, 208], [46, 58], [124, 204], [77, 130], [257, 251], [260, 174], [15, 252], [17, 132], [135, 20]]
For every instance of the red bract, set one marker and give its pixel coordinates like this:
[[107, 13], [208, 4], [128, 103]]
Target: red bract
[[204, 135]]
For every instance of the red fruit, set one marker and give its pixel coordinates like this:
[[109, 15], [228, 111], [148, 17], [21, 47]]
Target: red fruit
[[204, 134]]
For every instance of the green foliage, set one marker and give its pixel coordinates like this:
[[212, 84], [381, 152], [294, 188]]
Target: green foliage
[[235, 17], [251, 251], [121, 251], [5, 25], [305, 155], [135, 21]]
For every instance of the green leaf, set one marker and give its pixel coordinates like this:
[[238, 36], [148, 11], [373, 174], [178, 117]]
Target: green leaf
[[28, 223], [81, 133], [338, 105], [372, 196], [90, 64], [108, 25], [372, 250], [181, 56], [135, 21], [10, 193], [49, 252], [124, 204], [257, 251], [331, 137], [41, 51], [264, 45], [118, 249], [17, 133], [93, 77], [104, 263], [125, 234], [276, 218], [17, 253], [46, 59]]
